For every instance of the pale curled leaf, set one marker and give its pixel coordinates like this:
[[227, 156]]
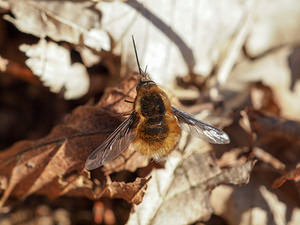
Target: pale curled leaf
[[274, 25], [256, 204], [53, 19], [180, 193], [170, 36], [274, 71], [4, 6], [170, 43], [52, 63]]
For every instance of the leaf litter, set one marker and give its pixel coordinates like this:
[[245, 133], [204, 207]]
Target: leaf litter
[[180, 193], [248, 60], [53, 166]]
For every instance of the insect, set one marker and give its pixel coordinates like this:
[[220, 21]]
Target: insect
[[154, 127]]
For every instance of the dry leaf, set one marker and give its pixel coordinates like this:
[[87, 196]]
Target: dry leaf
[[53, 19], [170, 36], [276, 136], [52, 63], [256, 203], [272, 70], [179, 194], [262, 98], [268, 158], [274, 24], [53, 166], [74, 22], [279, 139], [268, 127], [171, 44]]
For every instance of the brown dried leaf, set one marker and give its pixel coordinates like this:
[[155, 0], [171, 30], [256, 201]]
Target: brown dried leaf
[[54, 165], [262, 98], [268, 158], [278, 137], [132, 192], [268, 128]]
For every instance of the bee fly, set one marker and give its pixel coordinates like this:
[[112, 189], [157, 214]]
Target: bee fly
[[154, 127]]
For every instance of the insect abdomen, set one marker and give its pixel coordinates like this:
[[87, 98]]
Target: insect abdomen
[[157, 140], [154, 129]]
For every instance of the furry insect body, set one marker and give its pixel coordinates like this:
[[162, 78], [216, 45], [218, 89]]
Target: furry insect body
[[153, 128], [157, 131]]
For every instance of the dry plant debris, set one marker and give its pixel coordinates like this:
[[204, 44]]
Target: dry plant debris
[[180, 194], [239, 67], [53, 165], [72, 77]]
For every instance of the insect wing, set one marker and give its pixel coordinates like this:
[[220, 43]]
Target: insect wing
[[199, 129], [114, 145]]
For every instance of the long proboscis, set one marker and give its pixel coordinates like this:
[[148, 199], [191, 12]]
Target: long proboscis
[[144, 76], [136, 56]]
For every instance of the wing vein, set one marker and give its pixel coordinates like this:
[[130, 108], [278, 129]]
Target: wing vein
[[199, 129]]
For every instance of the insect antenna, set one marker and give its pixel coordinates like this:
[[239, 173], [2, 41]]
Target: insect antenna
[[136, 56]]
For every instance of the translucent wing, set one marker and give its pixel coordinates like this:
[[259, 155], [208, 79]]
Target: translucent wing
[[117, 142], [199, 129]]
